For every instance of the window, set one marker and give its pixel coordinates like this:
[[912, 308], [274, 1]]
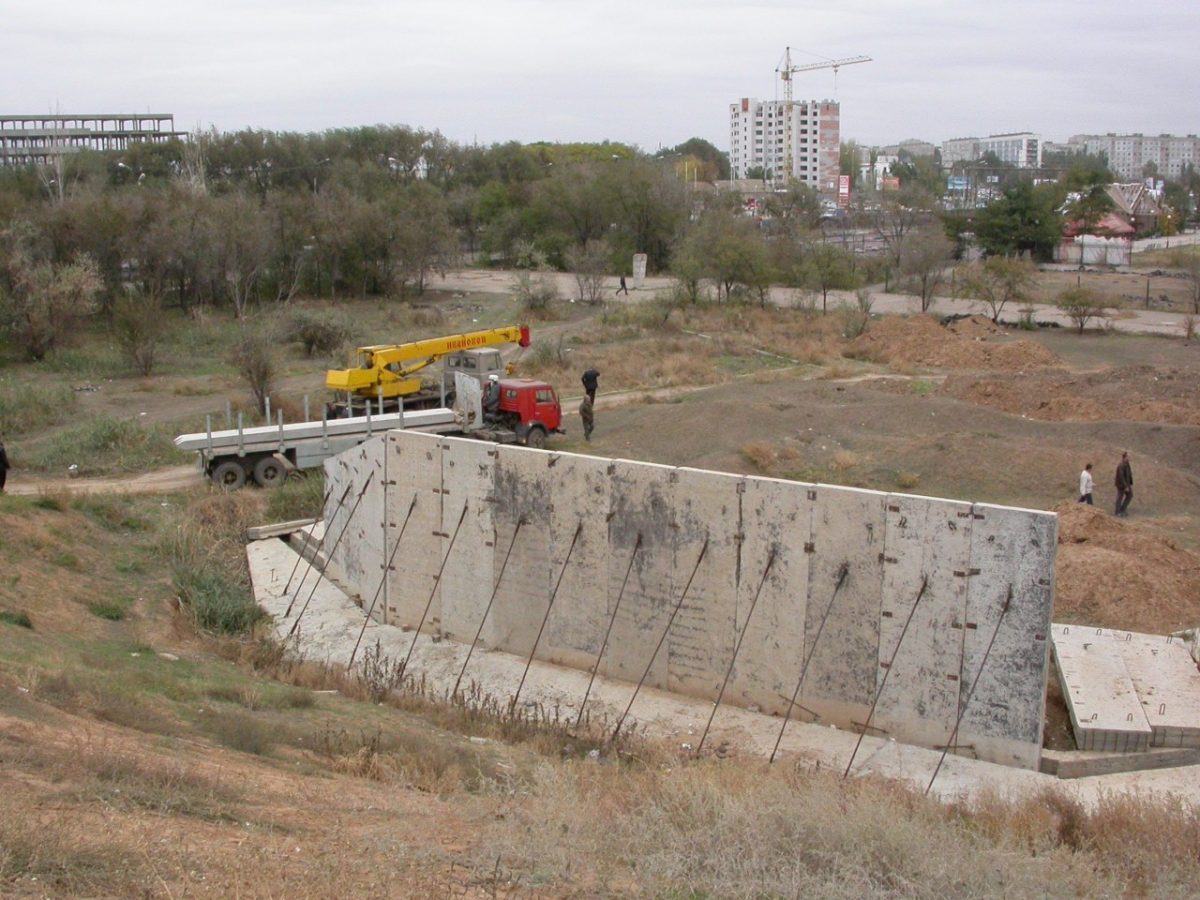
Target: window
[[545, 395]]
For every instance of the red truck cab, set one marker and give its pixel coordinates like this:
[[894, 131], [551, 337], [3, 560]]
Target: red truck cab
[[531, 409]]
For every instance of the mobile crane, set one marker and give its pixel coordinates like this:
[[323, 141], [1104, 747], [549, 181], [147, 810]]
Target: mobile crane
[[387, 373]]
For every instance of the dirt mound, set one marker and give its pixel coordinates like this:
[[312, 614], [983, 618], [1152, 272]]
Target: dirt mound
[[1137, 393], [922, 341], [1114, 573], [974, 326]]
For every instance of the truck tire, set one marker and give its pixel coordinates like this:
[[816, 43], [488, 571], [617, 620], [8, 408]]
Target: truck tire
[[269, 472], [536, 437], [229, 475]]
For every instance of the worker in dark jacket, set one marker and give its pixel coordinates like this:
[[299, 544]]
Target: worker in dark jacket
[[590, 381], [1124, 483], [4, 467], [587, 417]]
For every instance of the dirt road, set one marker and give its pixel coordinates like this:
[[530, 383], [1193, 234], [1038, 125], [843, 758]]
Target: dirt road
[[162, 481]]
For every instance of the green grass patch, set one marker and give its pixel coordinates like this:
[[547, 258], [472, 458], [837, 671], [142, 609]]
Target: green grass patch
[[111, 610], [92, 361], [52, 502], [240, 731], [297, 498], [27, 407], [216, 601], [20, 619], [921, 388], [104, 446], [111, 511]]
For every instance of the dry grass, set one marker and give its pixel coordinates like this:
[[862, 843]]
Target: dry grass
[[760, 454]]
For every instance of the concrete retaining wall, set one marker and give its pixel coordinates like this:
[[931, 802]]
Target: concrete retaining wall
[[915, 616]]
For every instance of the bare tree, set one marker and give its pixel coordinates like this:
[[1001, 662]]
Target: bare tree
[[1080, 305], [1189, 262], [589, 262], [44, 302], [137, 323], [998, 281], [924, 255]]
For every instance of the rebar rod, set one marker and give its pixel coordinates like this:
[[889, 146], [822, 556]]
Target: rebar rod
[[843, 571], [383, 578], [488, 608], [736, 649], [436, 581], [549, 606], [663, 638], [611, 621], [883, 681], [962, 711], [315, 553]]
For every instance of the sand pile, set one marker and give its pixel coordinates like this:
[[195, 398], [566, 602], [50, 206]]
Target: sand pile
[[1117, 573], [1134, 393], [922, 341], [974, 326]]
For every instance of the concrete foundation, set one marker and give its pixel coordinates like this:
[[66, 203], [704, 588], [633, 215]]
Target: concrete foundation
[[913, 618]]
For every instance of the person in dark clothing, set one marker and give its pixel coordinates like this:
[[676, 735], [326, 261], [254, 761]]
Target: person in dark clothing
[[491, 396], [4, 467], [590, 381], [1124, 483], [587, 416], [622, 288]]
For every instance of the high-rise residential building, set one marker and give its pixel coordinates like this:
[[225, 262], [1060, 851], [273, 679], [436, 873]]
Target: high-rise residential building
[[1129, 154], [1020, 149], [800, 143]]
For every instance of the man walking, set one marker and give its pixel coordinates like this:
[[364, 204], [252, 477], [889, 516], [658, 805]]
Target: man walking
[[590, 380], [622, 288], [3, 466], [587, 415], [1124, 483], [1086, 484]]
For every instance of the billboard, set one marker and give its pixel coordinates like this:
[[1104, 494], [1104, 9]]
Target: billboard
[[844, 191], [958, 183]]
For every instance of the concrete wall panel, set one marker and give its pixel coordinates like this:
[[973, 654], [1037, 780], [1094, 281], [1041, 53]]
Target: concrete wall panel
[[642, 501], [700, 645], [468, 479], [926, 542], [848, 531], [414, 466], [575, 629], [1009, 547], [776, 515], [355, 529]]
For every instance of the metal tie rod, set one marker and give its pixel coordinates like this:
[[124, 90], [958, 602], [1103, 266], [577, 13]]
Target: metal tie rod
[[611, 621], [488, 608], [962, 710], [843, 571], [737, 648], [299, 556], [436, 581], [549, 606], [379, 588], [329, 558], [661, 640], [315, 554], [883, 681]]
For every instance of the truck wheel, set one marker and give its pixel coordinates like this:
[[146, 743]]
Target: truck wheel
[[536, 437], [269, 472], [229, 475]]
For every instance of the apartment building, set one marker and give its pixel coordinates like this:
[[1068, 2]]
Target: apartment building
[[1129, 154], [761, 134], [1021, 149]]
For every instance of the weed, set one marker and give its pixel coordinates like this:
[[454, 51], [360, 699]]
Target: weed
[[64, 559], [112, 610], [52, 502], [906, 481], [217, 603], [105, 445], [921, 388], [845, 459], [240, 731], [129, 567], [759, 454], [19, 619], [297, 498], [35, 406], [109, 510]]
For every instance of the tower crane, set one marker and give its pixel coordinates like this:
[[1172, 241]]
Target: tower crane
[[786, 70]]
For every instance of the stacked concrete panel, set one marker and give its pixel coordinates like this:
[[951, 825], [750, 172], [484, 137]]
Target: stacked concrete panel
[[922, 619], [356, 520]]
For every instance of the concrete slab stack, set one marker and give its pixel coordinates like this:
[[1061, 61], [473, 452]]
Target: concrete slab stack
[[921, 619]]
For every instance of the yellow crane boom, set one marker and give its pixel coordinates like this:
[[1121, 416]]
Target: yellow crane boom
[[389, 369]]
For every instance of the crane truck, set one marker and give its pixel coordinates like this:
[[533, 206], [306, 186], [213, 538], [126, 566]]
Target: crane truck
[[528, 411], [386, 375]]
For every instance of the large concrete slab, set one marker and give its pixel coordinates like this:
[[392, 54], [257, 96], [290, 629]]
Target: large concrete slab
[[926, 554], [1106, 713], [776, 528], [1010, 593], [356, 527], [841, 631], [468, 481], [1167, 684], [414, 465]]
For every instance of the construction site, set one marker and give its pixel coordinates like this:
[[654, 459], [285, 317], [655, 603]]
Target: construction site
[[789, 567]]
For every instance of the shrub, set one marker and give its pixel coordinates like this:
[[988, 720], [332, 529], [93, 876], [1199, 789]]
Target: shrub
[[31, 407], [240, 731], [254, 357], [139, 326], [216, 602], [20, 619], [317, 332], [112, 610]]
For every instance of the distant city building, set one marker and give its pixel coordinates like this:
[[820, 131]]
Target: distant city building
[[759, 134], [1129, 154], [911, 147], [1020, 149], [28, 139]]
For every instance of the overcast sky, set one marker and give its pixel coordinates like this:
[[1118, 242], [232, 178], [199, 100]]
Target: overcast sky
[[651, 73]]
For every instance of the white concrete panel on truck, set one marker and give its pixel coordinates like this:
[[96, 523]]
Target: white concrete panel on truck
[[575, 629], [355, 528], [468, 483], [642, 502], [776, 516], [1105, 711], [1010, 548], [927, 542], [848, 531], [415, 470], [700, 646], [523, 492], [1167, 684]]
